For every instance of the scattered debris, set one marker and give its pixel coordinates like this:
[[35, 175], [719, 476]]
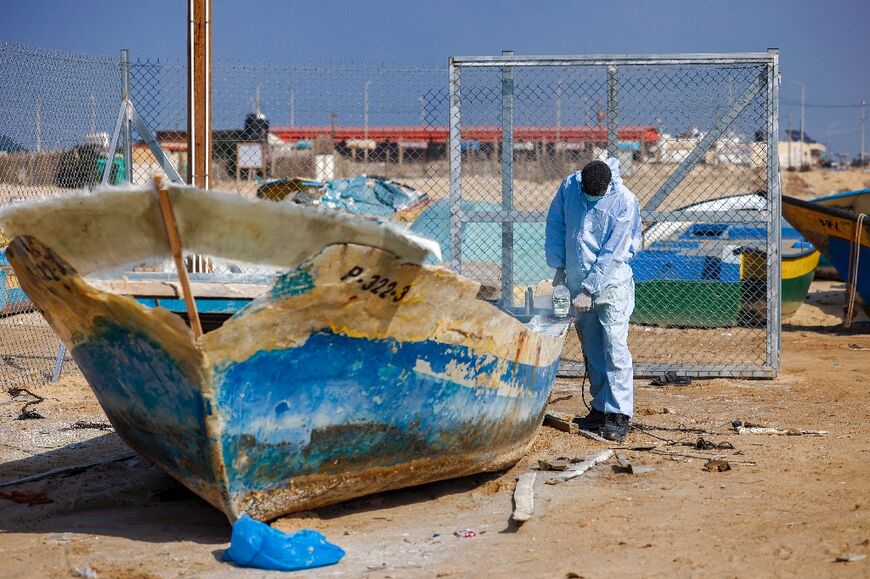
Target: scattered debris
[[680, 428], [29, 499], [524, 497], [87, 424], [624, 466], [554, 464], [667, 410], [29, 415], [704, 444], [592, 436], [560, 423], [67, 470], [856, 347], [850, 557], [717, 465], [465, 534], [26, 412], [598, 457], [741, 427], [87, 572], [670, 379], [567, 396]]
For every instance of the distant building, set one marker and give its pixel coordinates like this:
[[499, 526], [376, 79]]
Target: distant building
[[795, 154]]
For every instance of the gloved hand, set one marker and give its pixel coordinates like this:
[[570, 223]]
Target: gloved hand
[[559, 278], [583, 302]]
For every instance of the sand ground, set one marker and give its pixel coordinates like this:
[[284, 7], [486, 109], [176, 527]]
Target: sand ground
[[789, 506]]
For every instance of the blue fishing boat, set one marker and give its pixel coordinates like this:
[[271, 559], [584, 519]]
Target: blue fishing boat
[[696, 273], [839, 226], [355, 370]]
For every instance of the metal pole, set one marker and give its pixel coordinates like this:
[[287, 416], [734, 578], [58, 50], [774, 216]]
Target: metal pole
[[863, 104], [128, 134], [455, 153], [422, 102], [803, 107], [58, 363], [774, 205], [292, 108], [38, 125], [199, 92], [788, 120], [612, 111], [366, 125], [507, 182]]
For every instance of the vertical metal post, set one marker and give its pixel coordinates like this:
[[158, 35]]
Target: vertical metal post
[[774, 205], [455, 152], [366, 124], [612, 111], [127, 131], [58, 363], [863, 104], [38, 114], [199, 92], [507, 183]]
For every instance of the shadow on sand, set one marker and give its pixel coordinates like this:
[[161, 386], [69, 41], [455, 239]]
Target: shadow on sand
[[135, 499]]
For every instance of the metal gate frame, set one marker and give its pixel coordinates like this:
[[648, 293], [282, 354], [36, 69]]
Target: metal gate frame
[[507, 216]]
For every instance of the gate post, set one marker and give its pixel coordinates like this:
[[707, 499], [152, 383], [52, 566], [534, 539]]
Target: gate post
[[507, 183], [612, 111], [128, 138], [455, 154], [774, 213]]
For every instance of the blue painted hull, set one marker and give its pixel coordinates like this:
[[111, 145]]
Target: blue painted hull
[[834, 230], [324, 389]]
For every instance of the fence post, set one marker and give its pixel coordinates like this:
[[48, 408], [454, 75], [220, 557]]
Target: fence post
[[774, 212], [455, 152], [128, 138], [507, 183], [612, 111]]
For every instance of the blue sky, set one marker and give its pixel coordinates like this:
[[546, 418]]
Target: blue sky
[[824, 44]]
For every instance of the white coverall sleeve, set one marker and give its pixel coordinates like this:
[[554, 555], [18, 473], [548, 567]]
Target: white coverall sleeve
[[554, 244], [617, 248]]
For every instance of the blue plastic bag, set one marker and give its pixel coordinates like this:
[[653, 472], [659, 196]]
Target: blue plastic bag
[[256, 544]]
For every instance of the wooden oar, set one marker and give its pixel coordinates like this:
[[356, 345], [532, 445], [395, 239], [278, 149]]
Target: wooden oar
[[175, 246]]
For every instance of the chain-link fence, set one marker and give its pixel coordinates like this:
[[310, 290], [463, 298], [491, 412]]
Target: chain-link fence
[[389, 142], [696, 140], [56, 109]]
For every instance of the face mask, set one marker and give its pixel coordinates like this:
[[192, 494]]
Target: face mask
[[592, 198]]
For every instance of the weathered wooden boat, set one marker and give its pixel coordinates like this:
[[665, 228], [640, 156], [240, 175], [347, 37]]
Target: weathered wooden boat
[[697, 274], [357, 370], [835, 225]]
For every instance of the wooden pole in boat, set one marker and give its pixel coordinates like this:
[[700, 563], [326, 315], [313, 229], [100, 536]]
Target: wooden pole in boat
[[175, 246]]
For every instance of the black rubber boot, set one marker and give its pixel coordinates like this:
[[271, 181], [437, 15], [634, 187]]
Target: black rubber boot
[[593, 421], [615, 427]]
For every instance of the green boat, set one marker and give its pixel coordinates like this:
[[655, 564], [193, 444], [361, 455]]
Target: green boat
[[708, 275]]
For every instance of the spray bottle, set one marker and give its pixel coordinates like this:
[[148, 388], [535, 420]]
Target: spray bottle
[[561, 302]]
